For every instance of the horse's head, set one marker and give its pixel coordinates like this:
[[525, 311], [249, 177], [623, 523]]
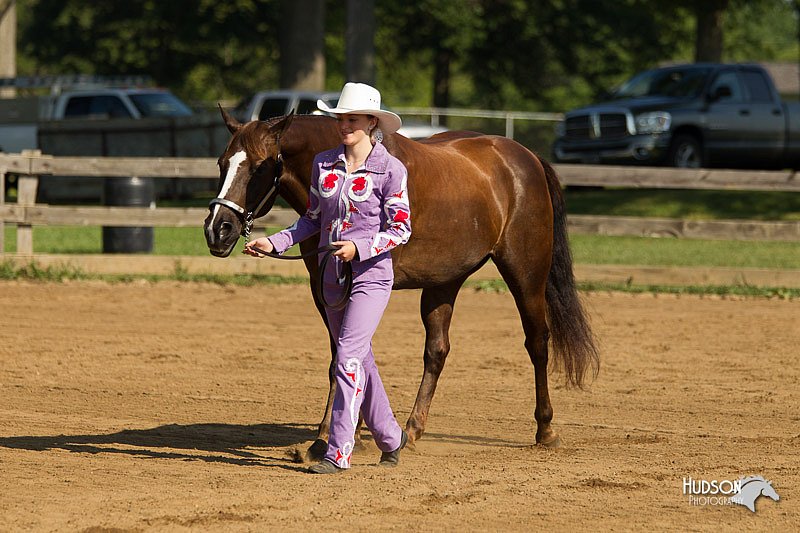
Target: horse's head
[[249, 171], [769, 491]]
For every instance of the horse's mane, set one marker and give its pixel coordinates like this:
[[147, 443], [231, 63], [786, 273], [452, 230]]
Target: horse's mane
[[252, 136], [748, 479]]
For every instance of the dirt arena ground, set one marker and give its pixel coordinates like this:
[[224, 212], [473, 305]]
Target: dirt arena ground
[[177, 407]]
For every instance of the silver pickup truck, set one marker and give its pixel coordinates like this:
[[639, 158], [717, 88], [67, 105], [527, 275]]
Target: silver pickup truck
[[20, 117], [98, 116]]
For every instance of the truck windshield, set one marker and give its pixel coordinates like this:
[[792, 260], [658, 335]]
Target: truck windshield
[[678, 83], [160, 105]]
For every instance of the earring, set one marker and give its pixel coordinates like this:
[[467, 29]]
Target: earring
[[377, 135]]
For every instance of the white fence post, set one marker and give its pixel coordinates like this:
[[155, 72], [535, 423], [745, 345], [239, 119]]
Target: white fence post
[[509, 126], [26, 197]]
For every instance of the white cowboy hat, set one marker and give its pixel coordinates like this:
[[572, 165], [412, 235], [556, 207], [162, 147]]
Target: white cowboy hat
[[363, 99]]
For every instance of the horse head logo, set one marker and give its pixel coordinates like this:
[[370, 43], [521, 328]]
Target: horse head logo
[[751, 488]]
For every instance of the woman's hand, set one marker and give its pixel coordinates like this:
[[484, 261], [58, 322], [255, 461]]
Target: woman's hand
[[346, 252], [262, 243]]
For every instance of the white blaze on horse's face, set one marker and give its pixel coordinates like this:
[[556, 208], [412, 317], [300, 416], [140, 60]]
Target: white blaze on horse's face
[[233, 167]]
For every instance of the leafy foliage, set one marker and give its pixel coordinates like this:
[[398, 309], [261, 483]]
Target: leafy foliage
[[502, 54], [201, 48]]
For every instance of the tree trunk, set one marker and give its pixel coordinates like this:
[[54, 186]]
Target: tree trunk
[[360, 41], [708, 43], [8, 44], [441, 79], [301, 39]]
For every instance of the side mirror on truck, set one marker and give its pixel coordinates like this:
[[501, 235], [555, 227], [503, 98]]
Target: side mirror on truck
[[723, 91]]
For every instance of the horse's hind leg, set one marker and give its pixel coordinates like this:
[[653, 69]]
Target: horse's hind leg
[[527, 284], [436, 308]]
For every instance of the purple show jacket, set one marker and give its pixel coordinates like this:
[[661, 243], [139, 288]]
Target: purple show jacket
[[369, 207]]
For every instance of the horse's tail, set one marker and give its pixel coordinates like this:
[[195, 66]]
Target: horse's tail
[[570, 332]]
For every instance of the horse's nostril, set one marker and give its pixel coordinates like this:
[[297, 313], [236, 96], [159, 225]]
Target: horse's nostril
[[225, 228]]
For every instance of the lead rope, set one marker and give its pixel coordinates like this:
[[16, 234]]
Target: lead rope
[[327, 250]]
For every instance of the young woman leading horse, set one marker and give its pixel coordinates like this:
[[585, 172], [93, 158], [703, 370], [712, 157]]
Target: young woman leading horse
[[474, 198], [357, 202]]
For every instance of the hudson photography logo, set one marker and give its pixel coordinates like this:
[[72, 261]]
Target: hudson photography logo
[[743, 491]]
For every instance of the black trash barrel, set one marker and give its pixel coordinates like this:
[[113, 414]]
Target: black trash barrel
[[130, 192]]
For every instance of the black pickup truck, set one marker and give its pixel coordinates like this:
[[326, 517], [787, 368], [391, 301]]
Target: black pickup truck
[[697, 115]]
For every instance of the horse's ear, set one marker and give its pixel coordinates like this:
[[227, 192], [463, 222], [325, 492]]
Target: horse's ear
[[284, 123], [232, 124]]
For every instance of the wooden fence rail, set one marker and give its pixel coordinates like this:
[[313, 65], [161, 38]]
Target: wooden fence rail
[[26, 213], [581, 175]]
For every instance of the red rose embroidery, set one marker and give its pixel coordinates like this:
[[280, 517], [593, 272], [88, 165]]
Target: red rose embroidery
[[329, 182], [359, 184], [400, 216]]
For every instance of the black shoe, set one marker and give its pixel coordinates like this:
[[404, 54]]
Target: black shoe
[[325, 467], [393, 458]]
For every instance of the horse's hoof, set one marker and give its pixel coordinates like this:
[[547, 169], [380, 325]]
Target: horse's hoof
[[552, 441], [316, 452], [413, 436]]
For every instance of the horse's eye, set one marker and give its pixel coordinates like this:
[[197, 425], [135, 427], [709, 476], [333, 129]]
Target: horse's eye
[[261, 167]]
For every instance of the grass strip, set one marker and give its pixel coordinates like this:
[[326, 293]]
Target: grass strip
[[587, 249], [783, 293], [60, 273], [695, 204]]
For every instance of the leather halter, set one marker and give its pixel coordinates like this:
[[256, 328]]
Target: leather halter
[[248, 217]]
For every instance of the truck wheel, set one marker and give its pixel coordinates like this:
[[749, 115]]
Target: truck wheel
[[685, 152]]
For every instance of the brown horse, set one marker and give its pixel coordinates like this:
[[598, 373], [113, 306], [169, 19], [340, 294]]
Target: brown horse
[[473, 198]]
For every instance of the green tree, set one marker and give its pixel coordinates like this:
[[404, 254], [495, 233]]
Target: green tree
[[761, 30], [503, 54], [202, 49], [570, 50], [435, 35]]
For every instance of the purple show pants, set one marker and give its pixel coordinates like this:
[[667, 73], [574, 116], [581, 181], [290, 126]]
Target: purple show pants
[[358, 385]]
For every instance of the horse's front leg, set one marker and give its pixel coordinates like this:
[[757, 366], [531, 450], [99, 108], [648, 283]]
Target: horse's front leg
[[316, 452]]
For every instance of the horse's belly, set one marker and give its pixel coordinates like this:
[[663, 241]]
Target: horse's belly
[[416, 269]]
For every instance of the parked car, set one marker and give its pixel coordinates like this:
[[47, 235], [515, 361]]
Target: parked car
[[696, 115], [267, 104]]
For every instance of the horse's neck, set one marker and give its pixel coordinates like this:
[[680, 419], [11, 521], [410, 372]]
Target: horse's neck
[[308, 136], [752, 488], [294, 188]]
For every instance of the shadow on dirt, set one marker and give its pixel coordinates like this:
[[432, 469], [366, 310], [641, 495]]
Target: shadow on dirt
[[167, 442]]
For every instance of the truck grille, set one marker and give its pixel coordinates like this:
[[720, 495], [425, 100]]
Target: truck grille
[[596, 126]]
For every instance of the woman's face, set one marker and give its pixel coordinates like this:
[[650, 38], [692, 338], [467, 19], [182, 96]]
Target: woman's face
[[355, 128]]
